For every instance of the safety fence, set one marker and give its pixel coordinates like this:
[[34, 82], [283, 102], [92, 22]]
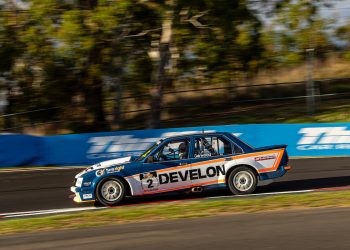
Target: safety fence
[[303, 140], [228, 103]]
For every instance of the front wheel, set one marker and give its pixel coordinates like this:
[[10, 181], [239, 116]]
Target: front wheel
[[110, 191], [242, 180]]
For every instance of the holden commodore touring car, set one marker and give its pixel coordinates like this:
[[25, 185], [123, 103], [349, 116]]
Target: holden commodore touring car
[[194, 162]]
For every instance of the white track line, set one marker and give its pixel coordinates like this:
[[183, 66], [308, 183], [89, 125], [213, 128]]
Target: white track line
[[265, 194], [67, 210], [45, 212]]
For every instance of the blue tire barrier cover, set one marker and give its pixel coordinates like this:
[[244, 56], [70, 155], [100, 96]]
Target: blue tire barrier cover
[[308, 140]]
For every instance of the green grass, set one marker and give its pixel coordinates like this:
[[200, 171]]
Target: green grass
[[336, 113], [176, 210]]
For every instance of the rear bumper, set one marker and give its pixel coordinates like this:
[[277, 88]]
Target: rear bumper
[[275, 174], [287, 168]]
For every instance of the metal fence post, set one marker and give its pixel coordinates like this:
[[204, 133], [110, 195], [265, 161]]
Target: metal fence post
[[310, 88]]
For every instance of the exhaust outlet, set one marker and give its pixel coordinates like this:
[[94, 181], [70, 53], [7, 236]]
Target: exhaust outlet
[[196, 189]]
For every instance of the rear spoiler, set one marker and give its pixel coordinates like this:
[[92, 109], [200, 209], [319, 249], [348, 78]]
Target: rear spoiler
[[270, 147]]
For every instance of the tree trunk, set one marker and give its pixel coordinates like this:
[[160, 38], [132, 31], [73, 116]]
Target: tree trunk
[[157, 90], [98, 107], [94, 103], [8, 123], [118, 116], [162, 58], [93, 86]]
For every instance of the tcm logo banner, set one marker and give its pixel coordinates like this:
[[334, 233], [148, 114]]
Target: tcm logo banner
[[116, 146], [324, 138], [126, 145]]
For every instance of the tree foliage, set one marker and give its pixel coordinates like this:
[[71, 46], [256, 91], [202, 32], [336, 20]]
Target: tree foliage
[[295, 27], [85, 55]]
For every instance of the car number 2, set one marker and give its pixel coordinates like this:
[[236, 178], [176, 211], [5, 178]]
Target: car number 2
[[149, 181]]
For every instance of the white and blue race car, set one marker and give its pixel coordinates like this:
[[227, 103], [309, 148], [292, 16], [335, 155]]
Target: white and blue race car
[[194, 162]]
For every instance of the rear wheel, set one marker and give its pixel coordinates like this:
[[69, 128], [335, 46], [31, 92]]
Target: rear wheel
[[110, 191], [242, 180]]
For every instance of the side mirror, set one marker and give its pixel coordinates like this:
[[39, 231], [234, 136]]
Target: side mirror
[[150, 159]]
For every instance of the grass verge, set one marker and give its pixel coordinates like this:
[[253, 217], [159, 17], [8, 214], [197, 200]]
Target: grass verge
[[176, 210]]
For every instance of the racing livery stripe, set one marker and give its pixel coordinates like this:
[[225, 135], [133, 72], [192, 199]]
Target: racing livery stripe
[[207, 162], [173, 168], [187, 186], [273, 168], [263, 170], [189, 165], [256, 154]]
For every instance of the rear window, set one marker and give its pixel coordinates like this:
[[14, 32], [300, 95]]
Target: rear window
[[208, 146]]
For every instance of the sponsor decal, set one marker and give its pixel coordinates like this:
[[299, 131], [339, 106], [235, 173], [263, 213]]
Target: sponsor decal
[[118, 169], [265, 157], [201, 155], [100, 172], [191, 174], [87, 196], [114, 169], [149, 181], [110, 170], [324, 138]]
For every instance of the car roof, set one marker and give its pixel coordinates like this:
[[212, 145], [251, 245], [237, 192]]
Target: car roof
[[198, 134], [246, 147]]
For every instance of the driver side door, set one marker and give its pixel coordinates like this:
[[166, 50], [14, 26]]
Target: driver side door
[[167, 169]]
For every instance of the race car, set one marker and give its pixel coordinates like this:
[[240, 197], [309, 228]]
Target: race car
[[193, 162]]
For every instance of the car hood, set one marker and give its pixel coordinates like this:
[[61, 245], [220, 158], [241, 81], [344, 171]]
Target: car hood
[[105, 164]]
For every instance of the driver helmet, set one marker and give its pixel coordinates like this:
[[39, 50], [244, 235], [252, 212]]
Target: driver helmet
[[183, 150]]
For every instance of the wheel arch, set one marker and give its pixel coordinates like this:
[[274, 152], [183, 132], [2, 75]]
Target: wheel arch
[[241, 165], [122, 179]]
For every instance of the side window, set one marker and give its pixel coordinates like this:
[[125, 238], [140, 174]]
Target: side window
[[237, 149], [172, 150], [212, 146]]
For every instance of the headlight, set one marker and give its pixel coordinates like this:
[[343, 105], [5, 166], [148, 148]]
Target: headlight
[[79, 182]]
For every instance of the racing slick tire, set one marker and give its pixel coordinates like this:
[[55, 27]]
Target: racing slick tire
[[110, 191], [242, 180]]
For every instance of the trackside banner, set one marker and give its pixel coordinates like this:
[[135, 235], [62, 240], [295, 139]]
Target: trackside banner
[[310, 140]]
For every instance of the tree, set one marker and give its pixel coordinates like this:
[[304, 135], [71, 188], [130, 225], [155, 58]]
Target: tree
[[10, 49], [99, 38], [295, 27], [343, 34], [86, 55], [221, 37]]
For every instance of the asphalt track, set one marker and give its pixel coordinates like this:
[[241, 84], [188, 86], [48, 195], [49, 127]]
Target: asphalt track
[[49, 189], [309, 229]]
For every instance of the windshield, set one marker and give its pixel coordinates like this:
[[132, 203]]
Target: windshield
[[145, 154]]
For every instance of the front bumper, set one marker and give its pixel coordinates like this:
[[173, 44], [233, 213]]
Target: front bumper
[[79, 197]]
